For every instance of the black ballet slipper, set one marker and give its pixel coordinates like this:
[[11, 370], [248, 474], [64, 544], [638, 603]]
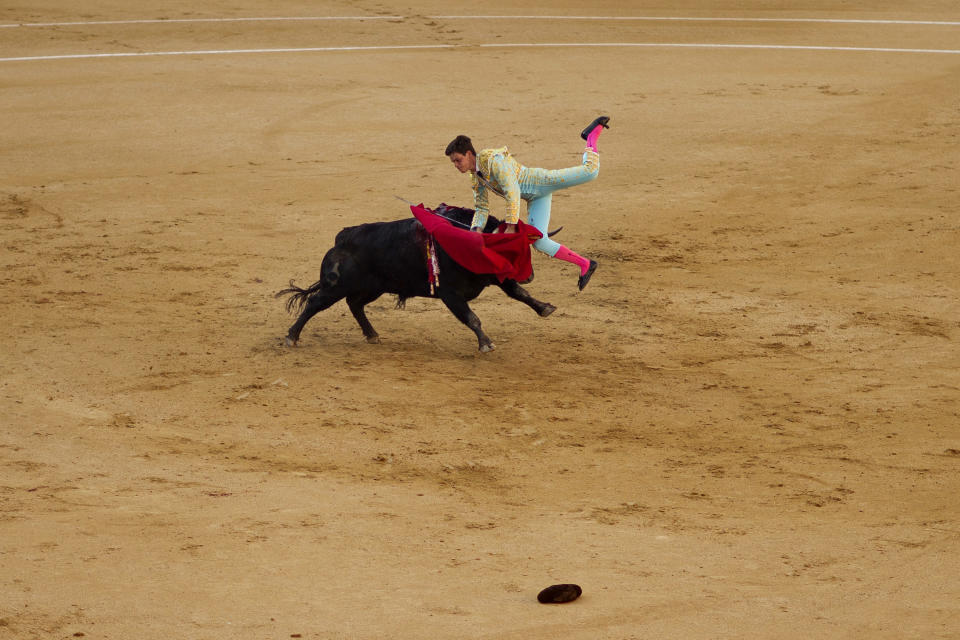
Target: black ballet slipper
[[559, 593], [599, 122], [585, 278]]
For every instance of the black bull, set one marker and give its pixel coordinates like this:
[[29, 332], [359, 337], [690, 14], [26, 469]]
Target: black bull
[[371, 259]]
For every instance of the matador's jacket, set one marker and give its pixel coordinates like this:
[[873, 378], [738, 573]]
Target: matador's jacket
[[498, 172]]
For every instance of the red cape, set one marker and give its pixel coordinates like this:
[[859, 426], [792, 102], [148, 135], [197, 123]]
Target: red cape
[[505, 255]]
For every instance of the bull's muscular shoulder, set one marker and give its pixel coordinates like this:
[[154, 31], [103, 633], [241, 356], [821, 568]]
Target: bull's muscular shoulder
[[376, 234], [345, 234]]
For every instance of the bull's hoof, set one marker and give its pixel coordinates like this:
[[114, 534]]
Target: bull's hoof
[[547, 310], [373, 339], [290, 342], [487, 348]]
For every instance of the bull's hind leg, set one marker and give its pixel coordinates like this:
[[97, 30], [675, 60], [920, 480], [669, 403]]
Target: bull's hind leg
[[459, 307], [357, 304], [315, 304], [515, 291]]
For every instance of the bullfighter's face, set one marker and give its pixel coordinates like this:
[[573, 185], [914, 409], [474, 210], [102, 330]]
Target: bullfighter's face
[[464, 162]]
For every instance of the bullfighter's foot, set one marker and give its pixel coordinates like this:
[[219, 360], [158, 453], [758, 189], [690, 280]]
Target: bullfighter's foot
[[585, 278], [592, 133], [547, 310], [559, 593], [598, 122], [290, 342]]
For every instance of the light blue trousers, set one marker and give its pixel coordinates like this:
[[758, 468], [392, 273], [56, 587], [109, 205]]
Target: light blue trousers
[[537, 187]]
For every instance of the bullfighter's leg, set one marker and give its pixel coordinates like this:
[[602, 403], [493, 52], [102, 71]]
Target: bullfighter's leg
[[459, 307], [315, 305], [538, 214], [357, 304], [538, 186], [515, 291]]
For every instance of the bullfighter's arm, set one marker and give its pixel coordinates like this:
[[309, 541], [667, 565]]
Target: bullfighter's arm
[[505, 173], [481, 206]]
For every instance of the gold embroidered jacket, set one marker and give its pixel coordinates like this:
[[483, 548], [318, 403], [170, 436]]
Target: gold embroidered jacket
[[498, 172]]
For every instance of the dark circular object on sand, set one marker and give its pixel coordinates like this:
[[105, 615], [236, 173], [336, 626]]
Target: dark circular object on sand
[[559, 593]]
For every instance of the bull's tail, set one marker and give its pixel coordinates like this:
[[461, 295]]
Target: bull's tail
[[329, 277], [298, 297]]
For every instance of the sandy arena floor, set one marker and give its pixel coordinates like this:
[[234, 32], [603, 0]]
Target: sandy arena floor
[[747, 426]]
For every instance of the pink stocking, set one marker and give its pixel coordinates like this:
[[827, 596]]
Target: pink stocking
[[565, 254], [592, 138]]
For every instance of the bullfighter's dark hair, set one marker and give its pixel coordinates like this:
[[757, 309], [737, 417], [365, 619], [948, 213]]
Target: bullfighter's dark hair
[[461, 144]]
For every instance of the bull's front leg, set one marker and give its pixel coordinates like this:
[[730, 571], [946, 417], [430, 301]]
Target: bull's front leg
[[357, 304], [459, 307], [515, 291]]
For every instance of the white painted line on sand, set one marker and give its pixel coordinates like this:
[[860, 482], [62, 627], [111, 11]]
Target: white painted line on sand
[[217, 52], [196, 20], [414, 47], [947, 23], [705, 19], [792, 47]]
